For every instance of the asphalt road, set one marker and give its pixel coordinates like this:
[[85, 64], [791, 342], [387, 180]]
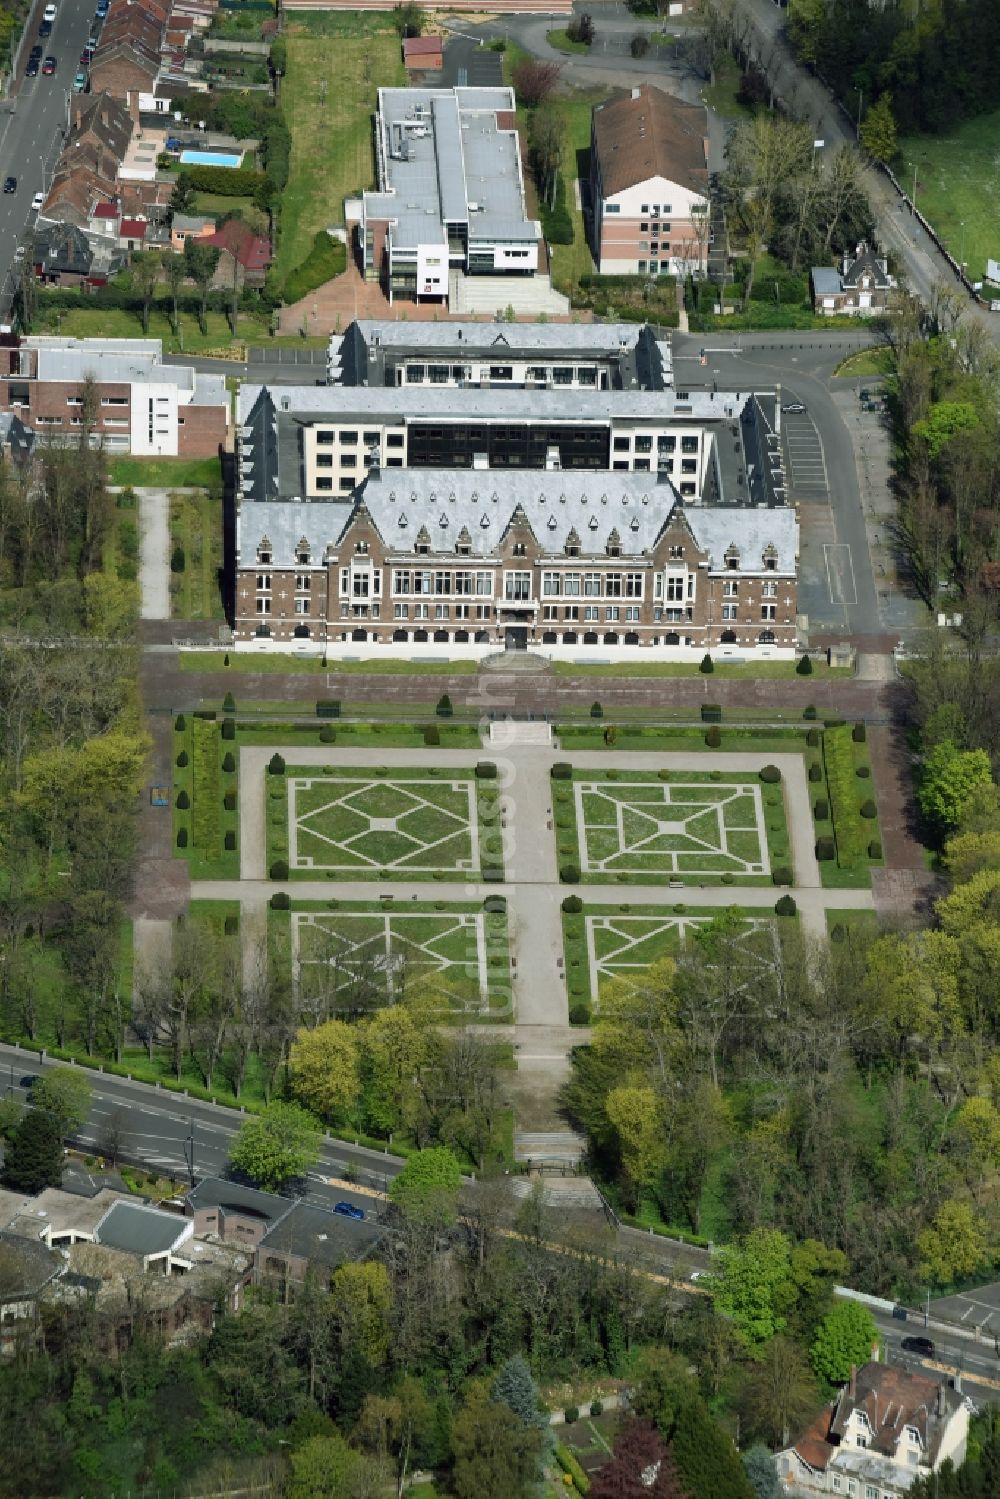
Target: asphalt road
[[31, 134]]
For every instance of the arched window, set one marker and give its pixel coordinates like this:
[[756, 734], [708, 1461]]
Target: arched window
[[570, 637], [359, 634], [401, 635], [631, 638], [302, 632], [671, 639], [590, 637], [440, 635], [766, 637], [420, 635], [611, 638], [461, 637], [728, 637], [548, 637]]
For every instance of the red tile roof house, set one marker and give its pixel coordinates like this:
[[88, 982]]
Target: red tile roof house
[[132, 234], [249, 253], [886, 1428], [423, 53]]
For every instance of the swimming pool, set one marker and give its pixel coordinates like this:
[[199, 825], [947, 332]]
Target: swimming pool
[[210, 159]]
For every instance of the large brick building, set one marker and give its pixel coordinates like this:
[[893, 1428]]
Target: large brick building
[[574, 502], [143, 406], [649, 185]]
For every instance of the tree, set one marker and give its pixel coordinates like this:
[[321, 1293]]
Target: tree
[[945, 421], [638, 1117], [547, 138], [534, 81], [641, 1467], [276, 1145], [953, 1245], [948, 780], [322, 1466], [762, 1473], [843, 1340], [490, 1446], [707, 1461], [64, 1094], [175, 271], [201, 262], [751, 1284], [515, 1387], [324, 1069], [878, 129], [427, 1187], [409, 19], [145, 271], [762, 155], [361, 1308], [34, 1157], [395, 1047], [182, 197], [110, 605], [780, 1394]]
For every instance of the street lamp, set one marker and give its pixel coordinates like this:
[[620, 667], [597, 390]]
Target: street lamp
[[861, 99], [961, 257]]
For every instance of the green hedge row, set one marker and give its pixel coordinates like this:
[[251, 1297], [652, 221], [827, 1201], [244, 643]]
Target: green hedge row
[[207, 786], [557, 225], [569, 1464], [225, 182], [842, 782], [326, 259]]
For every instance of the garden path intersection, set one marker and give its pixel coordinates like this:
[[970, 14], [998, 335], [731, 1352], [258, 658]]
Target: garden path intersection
[[655, 814]]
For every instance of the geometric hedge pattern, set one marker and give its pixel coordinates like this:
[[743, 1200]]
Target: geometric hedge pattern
[[358, 825], [671, 828], [623, 947]]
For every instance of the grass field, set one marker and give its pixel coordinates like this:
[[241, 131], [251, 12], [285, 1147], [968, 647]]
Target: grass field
[[746, 671], [196, 527], [166, 473], [296, 665], [562, 42], [875, 361], [958, 182], [329, 94], [211, 818], [570, 262], [117, 322], [722, 94], [455, 950]]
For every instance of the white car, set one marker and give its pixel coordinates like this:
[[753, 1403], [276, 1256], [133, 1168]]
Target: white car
[[36, 202], [49, 13]]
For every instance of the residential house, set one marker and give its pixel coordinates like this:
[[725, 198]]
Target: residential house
[[143, 405], [86, 173], [65, 255], [860, 286], [242, 254], [885, 1429], [185, 226], [129, 55], [423, 54], [132, 234], [27, 1269], [231, 1212], [308, 1236], [649, 185]]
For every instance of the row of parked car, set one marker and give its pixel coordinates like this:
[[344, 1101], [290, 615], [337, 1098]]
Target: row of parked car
[[47, 65]]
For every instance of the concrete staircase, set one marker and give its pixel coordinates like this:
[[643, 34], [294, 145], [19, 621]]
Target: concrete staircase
[[561, 1192], [529, 296], [549, 1147]]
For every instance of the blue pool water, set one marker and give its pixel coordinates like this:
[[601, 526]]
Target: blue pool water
[[210, 159]]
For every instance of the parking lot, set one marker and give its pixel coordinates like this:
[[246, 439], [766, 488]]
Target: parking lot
[[805, 462], [979, 1308]]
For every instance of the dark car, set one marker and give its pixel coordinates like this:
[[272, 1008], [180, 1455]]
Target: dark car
[[31, 71], [29, 1080], [10, 184], [86, 55], [348, 1210], [36, 50], [45, 29], [48, 67], [923, 1346]]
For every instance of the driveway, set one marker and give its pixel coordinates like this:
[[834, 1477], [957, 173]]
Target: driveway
[[154, 553]]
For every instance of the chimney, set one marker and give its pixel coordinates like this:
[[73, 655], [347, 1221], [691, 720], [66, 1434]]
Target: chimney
[[852, 1388], [940, 1402]]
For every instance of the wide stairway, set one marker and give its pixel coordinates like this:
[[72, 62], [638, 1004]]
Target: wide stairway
[[529, 296]]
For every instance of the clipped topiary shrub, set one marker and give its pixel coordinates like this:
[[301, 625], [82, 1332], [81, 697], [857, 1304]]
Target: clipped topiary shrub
[[805, 667], [770, 775], [579, 1014], [497, 904], [229, 801], [821, 809], [812, 739], [868, 809], [180, 723], [432, 735], [859, 733], [183, 800], [486, 770], [327, 734], [785, 906], [561, 771], [279, 869], [711, 712], [328, 707], [838, 932], [280, 900], [707, 664], [874, 849], [182, 760], [229, 703], [231, 925], [596, 711], [809, 713], [570, 874], [713, 738], [825, 849], [230, 842], [597, 1408], [177, 560], [572, 905], [728, 879], [229, 728], [571, 1414], [863, 772], [182, 837], [444, 707], [229, 763], [815, 772], [781, 875], [276, 765]]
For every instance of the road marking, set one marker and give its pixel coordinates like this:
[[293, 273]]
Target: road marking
[[840, 572]]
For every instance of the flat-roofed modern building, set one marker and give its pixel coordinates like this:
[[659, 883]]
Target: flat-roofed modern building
[[450, 192]]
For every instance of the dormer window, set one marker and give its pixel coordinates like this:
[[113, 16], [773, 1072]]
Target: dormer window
[[302, 551], [423, 543], [770, 558], [614, 545], [676, 554], [361, 548], [463, 545], [732, 558], [573, 543], [519, 549], [264, 552]]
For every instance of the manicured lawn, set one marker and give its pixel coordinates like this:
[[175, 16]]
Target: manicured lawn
[[196, 528], [746, 671], [701, 827], [403, 825], [121, 549], [570, 262], [958, 181], [117, 322], [207, 787], [328, 97], [721, 95], [875, 361], [865, 921], [166, 473], [257, 661], [454, 950]]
